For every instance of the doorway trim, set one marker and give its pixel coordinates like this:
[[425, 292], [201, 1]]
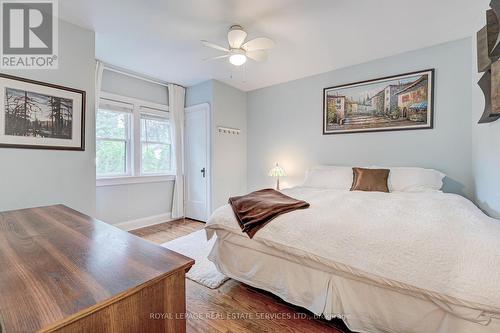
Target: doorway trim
[[203, 107]]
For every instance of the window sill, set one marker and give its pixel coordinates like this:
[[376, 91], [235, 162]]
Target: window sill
[[113, 181]]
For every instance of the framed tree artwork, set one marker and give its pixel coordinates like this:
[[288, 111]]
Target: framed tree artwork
[[39, 115]]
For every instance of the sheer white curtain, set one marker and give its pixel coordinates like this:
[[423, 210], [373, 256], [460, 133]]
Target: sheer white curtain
[[99, 68], [176, 96]]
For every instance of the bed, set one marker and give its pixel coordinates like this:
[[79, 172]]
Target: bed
[[422, 261]]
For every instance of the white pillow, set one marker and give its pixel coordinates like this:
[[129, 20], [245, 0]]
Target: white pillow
[[411, 179], [331, 177]]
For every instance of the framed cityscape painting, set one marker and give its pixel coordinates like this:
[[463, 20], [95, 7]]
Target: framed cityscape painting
[[40, 115], [401, 102]]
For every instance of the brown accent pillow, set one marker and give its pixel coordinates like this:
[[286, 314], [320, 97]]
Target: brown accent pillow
[[373, 180]]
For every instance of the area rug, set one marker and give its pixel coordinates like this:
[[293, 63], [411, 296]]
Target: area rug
[[196, 246]]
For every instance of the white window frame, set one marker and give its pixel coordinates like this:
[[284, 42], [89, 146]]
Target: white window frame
[[134, 172]]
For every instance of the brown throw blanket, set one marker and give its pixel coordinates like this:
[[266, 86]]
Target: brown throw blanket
[[253, 211]]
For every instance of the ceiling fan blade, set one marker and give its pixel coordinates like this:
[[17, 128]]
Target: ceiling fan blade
[[215, 58], [261, 43], [236, 38], [214, 46], [258, 55]]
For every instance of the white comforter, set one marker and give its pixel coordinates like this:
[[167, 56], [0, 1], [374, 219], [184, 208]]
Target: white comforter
[[436, 245]]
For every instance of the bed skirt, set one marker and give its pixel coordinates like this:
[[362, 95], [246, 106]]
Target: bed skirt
[[362, 306]]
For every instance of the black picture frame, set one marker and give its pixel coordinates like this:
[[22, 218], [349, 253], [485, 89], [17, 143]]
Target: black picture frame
[[430, 103], [61, 92]]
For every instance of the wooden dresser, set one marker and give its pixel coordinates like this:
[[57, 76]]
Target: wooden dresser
[[63, 271]]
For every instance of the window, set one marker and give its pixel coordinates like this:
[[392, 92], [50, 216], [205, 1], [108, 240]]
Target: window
[[133, 140], [112, 143], [156, 146]]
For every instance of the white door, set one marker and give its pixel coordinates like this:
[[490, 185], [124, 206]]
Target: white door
[[197, 161]]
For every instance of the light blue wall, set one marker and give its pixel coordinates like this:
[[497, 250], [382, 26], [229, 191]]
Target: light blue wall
[[123, 203], [485, 152], [128, 86], [285, 122], [229, 153], [31, 177], [486, 165], [200, 93]]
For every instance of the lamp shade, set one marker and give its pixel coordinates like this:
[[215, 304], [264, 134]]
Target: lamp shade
[[277, 171]]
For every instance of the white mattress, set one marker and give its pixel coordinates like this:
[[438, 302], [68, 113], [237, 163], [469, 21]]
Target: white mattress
[[436, 244], [363, 306], [435, 247]]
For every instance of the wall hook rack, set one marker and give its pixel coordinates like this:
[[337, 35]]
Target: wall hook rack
[[228, 130]]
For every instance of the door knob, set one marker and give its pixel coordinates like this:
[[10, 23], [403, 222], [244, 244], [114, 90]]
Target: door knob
[[203, 172]]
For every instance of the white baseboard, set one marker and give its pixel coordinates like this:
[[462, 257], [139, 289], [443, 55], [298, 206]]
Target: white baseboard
[[144, 222]]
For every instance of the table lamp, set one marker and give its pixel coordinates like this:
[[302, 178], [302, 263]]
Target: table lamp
[[277, 172]]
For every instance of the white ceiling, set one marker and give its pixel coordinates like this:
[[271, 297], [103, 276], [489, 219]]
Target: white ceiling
[[161, 38]]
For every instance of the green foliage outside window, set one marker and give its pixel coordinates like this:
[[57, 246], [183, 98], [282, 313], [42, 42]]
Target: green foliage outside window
[[111, 125], [155, 158], [110, 157], [155, 145], [111, 145]]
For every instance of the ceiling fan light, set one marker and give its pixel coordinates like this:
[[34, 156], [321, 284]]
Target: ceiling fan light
[[238, 59]]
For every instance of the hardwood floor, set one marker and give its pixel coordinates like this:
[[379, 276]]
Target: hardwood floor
[[235, 307], [162, 233]]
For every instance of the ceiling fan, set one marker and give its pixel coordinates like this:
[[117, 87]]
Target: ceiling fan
[[239, 50]]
